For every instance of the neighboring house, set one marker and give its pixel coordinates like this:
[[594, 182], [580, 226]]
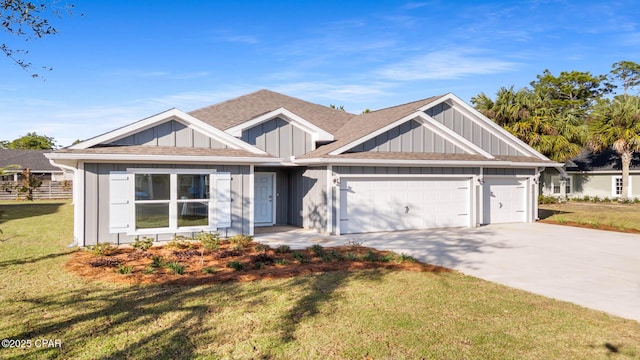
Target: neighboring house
[[265, 158], [30, 159], [593, 174]]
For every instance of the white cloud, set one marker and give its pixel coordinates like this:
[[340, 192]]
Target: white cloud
[[445, 64]]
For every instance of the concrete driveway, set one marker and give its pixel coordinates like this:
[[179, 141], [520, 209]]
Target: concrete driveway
[[593, 268]]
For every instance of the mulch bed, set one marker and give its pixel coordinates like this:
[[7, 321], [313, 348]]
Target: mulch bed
[[257, 265], [592, 226]]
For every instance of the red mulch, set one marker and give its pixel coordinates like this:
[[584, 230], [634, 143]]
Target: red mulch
[[104, 268]]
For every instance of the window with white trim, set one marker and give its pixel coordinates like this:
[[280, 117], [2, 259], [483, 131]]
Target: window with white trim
[[617, 186], [558, 182], [169, 200]]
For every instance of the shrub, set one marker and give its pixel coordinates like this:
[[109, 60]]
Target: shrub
[[388, 257], [123, 269], [241, 240], [208, 270], [282, 261], [300, 257], [157, 261], [258, 265], [262, 247], [317, 250], [103, 249], [282, 249], [263, 258], [351, 256], [235, 265], [332, 255], [210, 241], [405, 258], [176, 268], [143, 244], [149, 269], [545, 199], [372, 256], [179, 242], [586, 198], [596, 199]]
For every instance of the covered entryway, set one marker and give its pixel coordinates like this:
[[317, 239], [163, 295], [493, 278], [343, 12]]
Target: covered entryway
[[505, 200], [384, 204], [264, 206]]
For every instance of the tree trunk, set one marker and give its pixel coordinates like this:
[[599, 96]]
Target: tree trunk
[[626, 162]]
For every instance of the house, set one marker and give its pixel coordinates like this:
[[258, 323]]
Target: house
[[593, 174], [34, 160], [265, 158]]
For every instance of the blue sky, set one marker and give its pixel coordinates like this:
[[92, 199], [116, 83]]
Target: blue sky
[[126, 60]]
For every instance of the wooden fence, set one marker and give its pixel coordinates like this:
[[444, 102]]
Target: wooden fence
[[48, 190]]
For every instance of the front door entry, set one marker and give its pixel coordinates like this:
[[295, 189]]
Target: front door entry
[[263, 199]]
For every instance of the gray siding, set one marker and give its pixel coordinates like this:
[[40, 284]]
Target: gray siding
[[279, 138], [471, 131], [314, 201], [282, 193], [509, 171], [96, 200], [356, 170], [409, 137], [170, 133]]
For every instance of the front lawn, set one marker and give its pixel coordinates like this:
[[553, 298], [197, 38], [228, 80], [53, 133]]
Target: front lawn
[[375, 313], [605, 216]]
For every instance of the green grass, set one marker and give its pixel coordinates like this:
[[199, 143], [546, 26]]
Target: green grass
[[596, 215], [366, 314]]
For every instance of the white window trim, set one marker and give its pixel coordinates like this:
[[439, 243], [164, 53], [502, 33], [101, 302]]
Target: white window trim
[[613, 186], [173, 201], [562, 182]]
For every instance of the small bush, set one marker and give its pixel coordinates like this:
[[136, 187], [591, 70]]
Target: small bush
[[596, 199], [283, 249], [123, 269], [372, 256], [606, 199], [258, 265], [351, 257], [334, 255], [103, 249], [545, 199], [282, 261], [143, 244], [262, 247], [208, 270], [586, 198], [317, 250], [235, 265], [405, 258], [176, 268], [157, 261], [179, 242], [636, 200], [241, 240], [388, 257], [263, 258], [300, 257], [210, 241], [149, 269]]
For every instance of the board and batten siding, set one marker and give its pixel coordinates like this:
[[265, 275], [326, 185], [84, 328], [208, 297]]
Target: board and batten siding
[[314, 200], [282, 192], [410, 136], [96, 178], [470, 130], [279, 138], [172, 134]]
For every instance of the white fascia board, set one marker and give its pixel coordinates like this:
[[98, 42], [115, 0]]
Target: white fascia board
[[317, 133], [492, 127], [445, 163], [110, 158], [603, 172], [172, 114], [452, 136]]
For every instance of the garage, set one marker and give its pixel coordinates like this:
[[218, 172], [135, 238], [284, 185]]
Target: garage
[[505, 200], [383, 204]]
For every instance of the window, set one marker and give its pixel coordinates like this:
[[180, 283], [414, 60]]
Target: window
[[168, 200], [557, 183], [617, 186]]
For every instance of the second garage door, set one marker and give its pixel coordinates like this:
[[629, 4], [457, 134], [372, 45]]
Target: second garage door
[[504, 200], [368, 204]]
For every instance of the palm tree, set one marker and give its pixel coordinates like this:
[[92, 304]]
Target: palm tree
[[616, 124], [529, 116]]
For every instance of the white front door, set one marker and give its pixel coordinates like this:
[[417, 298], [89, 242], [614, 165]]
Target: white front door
[[263, 199], [504, 200]]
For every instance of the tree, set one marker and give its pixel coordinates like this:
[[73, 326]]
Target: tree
[[31, 141], [616, 124], [28, 20], [528, 115], [628, 73], [572, 92], [335, 107]]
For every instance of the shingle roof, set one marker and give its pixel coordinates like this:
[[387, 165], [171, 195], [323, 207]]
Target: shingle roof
[[603, 161], [366, 123], [241, 109], [31, 159]]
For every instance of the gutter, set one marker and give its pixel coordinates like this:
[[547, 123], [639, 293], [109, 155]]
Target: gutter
[[74, 170]]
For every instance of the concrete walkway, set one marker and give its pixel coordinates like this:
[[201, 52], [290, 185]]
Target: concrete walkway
[[593, 268]]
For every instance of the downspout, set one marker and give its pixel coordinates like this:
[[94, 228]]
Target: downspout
[[74, 198]]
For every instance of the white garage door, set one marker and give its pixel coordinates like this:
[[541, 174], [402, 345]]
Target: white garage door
[[505, 200], [368, 205]]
